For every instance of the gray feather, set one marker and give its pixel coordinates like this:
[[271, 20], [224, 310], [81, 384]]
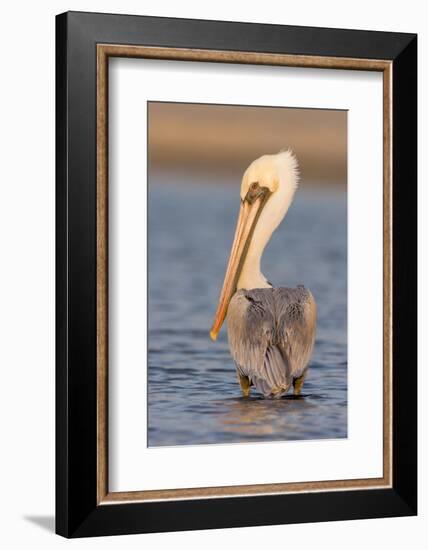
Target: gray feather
[[271, 335]]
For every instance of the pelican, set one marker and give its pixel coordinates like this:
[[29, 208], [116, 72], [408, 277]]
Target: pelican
[[271, 331]]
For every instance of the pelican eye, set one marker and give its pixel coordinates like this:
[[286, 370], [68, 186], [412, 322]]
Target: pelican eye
[[255, 191]]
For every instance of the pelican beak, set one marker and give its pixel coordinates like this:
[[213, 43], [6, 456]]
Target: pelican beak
[[249, 213]]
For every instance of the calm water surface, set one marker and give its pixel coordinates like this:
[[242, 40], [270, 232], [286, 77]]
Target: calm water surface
[[194, 396]]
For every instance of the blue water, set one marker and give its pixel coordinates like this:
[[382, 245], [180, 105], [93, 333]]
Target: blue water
[[193, 394]]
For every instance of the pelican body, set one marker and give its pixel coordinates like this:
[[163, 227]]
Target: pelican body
[[271, 331]]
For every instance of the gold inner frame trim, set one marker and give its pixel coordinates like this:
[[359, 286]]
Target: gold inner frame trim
[[104, 51]]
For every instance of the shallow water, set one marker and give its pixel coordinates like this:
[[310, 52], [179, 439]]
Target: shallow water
[[194, 396]]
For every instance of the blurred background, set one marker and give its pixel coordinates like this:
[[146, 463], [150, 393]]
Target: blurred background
[[197, 155], [222, 140]]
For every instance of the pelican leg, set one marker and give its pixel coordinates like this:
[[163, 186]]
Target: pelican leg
[[298, 384], [245, 384]]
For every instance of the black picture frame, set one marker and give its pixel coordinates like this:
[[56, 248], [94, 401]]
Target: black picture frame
[[77, 511]]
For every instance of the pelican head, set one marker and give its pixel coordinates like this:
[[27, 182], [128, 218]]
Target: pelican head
[[267, 189]]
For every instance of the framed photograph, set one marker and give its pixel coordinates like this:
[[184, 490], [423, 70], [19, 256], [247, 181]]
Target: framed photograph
[[236, 274]]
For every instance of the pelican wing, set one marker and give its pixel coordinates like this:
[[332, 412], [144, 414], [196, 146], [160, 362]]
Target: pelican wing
[[271, 336], [251, 327], [296, 324]]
